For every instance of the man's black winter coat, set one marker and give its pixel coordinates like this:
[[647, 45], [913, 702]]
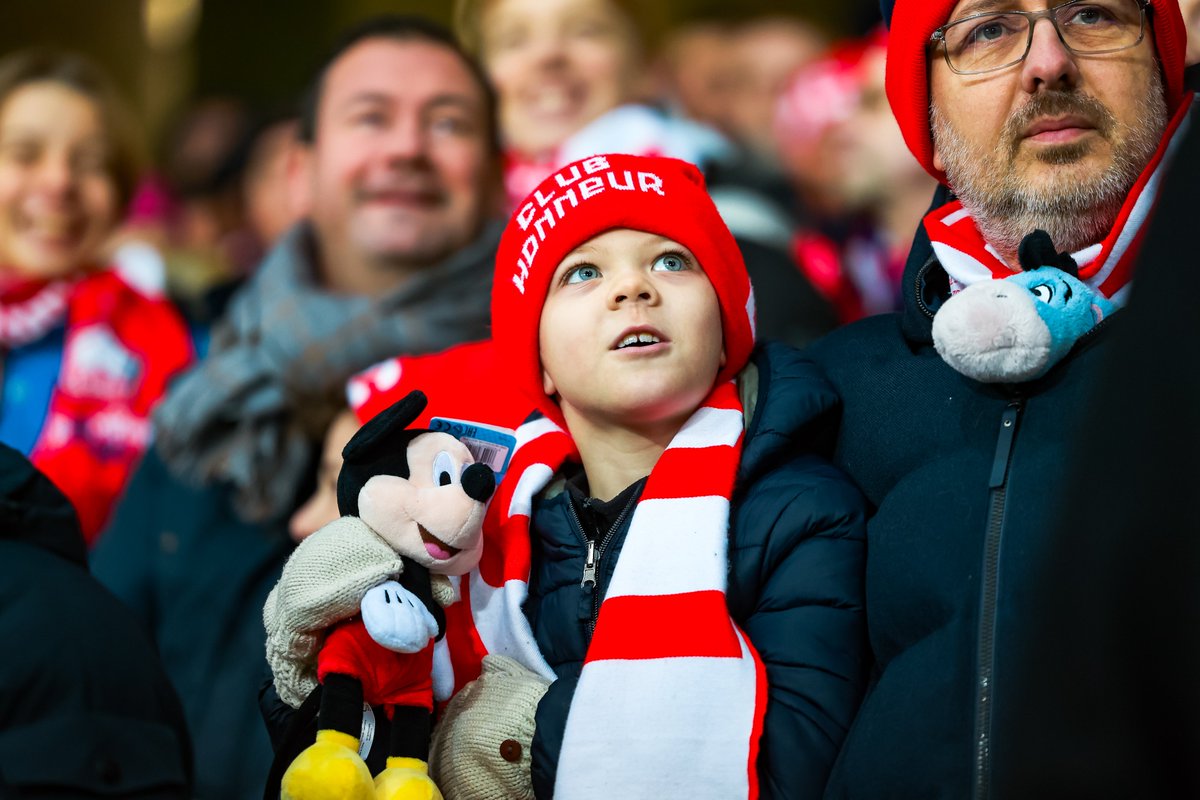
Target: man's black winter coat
[[967, 480]]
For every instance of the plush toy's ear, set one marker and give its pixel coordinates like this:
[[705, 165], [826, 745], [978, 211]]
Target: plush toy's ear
[[378, 435], [379, 447], [1037, 250]]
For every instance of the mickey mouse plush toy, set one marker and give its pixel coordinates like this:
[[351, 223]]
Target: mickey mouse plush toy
[[355, 607]]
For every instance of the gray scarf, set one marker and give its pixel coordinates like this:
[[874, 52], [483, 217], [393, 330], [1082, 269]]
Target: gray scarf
[[284, 342]]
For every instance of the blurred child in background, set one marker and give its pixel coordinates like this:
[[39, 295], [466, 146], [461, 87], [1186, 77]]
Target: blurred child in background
[[572, 81], [86, 350], [223, 194], [847, 159]]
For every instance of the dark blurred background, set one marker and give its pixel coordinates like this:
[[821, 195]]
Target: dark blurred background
[[164, 53]]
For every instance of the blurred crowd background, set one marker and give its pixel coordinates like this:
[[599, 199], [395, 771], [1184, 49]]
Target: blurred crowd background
[[165, 52]]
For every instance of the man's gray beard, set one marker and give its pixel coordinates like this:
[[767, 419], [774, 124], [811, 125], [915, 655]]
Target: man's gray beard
[[1077, 212]]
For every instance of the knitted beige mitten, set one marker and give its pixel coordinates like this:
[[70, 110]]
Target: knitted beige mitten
[[444, 591], [322, 583], [480, 749]]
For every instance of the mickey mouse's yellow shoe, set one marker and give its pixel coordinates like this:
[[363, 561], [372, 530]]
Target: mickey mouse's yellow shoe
[[329, 769], [406, 779]]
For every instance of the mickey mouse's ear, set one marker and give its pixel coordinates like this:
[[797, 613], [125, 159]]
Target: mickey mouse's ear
[[377, 434]]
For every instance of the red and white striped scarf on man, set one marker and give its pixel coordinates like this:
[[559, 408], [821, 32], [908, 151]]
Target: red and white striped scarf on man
[[671, 699], [1106, 266]]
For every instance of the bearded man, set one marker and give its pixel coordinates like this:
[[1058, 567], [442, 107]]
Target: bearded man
[[1032, 115]]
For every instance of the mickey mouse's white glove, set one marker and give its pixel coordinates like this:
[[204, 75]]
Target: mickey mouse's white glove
[[397, 619]]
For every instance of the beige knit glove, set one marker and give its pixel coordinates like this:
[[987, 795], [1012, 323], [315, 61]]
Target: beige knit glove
[[444, 592], [322, 583], [480, 748]]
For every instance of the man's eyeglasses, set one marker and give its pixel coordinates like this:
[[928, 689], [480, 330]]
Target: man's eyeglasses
[[995, 40]]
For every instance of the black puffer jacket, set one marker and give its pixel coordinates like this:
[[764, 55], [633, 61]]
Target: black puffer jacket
[[85, 707], [795, 586], [967, 479]]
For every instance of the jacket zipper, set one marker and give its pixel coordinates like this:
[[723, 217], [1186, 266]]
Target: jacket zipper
[[998, 487], [590, 611], [587, 585], [920, 279], [1091, 333]]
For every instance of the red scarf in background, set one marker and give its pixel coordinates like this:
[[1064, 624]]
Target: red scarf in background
[[121, 349]]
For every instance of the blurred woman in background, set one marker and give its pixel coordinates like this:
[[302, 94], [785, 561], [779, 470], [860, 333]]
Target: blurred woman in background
[[570, 75], [846, 158], [86, 350], [572, 81]]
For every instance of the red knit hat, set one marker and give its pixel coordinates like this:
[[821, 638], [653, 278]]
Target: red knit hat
[[663, 196], [914, 21]]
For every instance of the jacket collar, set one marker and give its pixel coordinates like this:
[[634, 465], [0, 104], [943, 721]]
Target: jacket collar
[[790, 411], [926, 285]]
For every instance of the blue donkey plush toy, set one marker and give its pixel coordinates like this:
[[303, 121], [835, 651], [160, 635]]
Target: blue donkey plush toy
[[1016, 329]]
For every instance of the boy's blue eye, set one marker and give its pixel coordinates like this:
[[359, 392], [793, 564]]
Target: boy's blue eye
[[671, 262], [579, 274]]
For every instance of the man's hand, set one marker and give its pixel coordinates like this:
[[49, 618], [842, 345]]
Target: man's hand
[[397, 619]]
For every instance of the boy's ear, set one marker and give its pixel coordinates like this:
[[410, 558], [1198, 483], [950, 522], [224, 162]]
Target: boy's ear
[[548, 383]]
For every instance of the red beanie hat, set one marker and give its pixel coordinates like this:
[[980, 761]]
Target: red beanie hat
[[914, 21], [663, 196]]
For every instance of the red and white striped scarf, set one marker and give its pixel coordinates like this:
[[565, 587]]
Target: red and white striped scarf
[[29, 310], [123, 343], [1106, 266], [671, 699]]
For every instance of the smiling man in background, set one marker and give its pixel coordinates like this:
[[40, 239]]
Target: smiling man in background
[[398, 171], [1034, 115]]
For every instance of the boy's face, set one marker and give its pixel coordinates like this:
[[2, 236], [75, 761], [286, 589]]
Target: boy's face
[[630, 332], [322, 507]]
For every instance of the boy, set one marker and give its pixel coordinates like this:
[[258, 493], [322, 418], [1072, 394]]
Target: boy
[[664, 546]]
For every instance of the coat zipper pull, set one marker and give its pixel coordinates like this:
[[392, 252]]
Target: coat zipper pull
[[588, 584], [589, 567], [1004, 443]]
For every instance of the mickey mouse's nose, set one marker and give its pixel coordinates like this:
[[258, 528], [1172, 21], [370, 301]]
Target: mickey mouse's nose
[[478, 481]]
